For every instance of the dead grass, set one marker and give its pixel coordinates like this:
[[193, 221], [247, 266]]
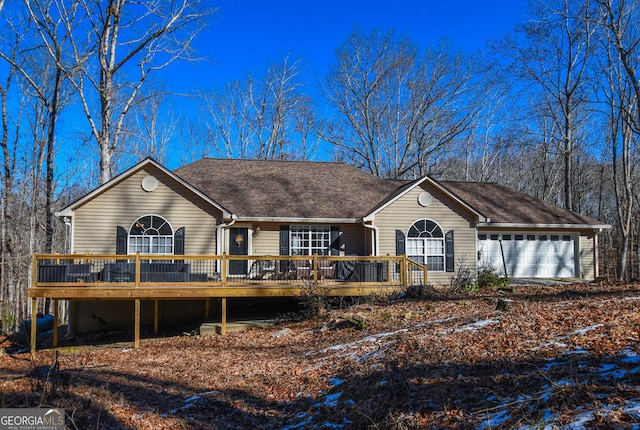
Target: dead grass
[[441, 362]]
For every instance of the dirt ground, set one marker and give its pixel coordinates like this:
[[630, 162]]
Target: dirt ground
[[540, 356]]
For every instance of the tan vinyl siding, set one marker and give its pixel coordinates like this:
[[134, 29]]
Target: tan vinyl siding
[[445, 211], [267, 242], [587, 256], [95, 223]]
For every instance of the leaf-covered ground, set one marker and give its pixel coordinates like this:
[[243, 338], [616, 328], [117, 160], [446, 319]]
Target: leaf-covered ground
[[562, 356]]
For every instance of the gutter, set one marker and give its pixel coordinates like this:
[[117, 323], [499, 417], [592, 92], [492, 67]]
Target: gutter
[[544, 226], [292, 220], [219, 229]]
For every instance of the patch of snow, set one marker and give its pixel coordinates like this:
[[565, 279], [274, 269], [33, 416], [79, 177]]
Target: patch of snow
[[188, 403], [302, 424], [579, 351], [587, 329], [336, 381], [495, 420], [331, 400], [476, 325], [439, 321], [368, 339]]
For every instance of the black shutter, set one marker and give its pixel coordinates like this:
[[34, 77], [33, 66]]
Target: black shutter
[[285, 265], [448, 251], [400, 243], [400, 246], [284, 240], [178, 241], [335, 240], [121, 240]]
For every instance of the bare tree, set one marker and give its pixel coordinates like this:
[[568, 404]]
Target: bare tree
[[8, 138], [396, 107], [622, 89], [43, 78], [153, 126], [115, 48], [551, 53], [269, 117]]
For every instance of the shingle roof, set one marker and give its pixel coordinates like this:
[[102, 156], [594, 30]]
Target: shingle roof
[[505, 205], [305, 189], [288, 189]]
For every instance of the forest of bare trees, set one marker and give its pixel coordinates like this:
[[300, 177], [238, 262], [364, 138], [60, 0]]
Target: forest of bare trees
[[551, 109]]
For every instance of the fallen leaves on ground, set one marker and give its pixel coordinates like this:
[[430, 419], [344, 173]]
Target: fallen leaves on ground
[[557, 356]]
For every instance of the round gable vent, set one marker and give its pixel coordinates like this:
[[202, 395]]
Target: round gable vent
[[425, 199], [149, 183]]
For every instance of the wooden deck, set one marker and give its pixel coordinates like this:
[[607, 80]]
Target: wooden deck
[[166, 277]]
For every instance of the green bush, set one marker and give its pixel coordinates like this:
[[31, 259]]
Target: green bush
[[488, 277]]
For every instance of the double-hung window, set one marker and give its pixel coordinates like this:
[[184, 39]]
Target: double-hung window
[[151, 234], [310, 240], [425, 244]]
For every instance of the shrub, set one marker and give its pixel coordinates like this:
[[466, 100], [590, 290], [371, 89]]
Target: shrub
[[464, 278], [488, 277]]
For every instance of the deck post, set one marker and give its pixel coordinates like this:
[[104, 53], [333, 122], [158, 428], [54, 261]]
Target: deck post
[[223, 269], [55, 323], [156, 316], [137, 274], [223, 323], [314, 267], [136, 329], [207, 308], [424, 276], [34, 324], [403, 271]]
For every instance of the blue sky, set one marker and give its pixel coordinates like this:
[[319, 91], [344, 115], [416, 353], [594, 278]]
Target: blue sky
[[246, 35]]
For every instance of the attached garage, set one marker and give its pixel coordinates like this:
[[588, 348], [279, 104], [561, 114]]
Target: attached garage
[[532, 255], [537, 239]]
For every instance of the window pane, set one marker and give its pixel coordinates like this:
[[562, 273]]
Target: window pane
[[308, 240], [435, 263], [425, 244], [151, 234]]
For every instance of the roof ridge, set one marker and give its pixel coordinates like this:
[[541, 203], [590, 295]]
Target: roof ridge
[[272, 160]]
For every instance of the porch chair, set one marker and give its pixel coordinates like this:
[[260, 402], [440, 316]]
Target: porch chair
[[303, 268], [326, 269]]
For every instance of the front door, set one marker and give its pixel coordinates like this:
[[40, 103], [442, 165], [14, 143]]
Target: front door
[[238, 245]]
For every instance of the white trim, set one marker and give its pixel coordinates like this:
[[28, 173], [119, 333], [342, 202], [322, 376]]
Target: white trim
[[425, 241], [286, 220], [433, 183], [69, 210], [547, 226], [173, 233]]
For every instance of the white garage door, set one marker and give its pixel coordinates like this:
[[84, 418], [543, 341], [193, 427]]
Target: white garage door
[[529, 255]]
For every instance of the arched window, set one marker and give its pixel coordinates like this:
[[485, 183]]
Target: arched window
[[151, 234], [425, 244]]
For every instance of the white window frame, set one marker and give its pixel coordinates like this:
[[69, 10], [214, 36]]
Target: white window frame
[[151, 241], [425, 244], [310, 240]]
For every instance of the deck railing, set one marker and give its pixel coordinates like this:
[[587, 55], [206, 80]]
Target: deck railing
[[170, 277], [140, 271]]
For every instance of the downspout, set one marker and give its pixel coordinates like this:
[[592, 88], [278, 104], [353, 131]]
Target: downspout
[[596, 265], [374, 233], [68, 229], [67, 225], [219, 242]]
